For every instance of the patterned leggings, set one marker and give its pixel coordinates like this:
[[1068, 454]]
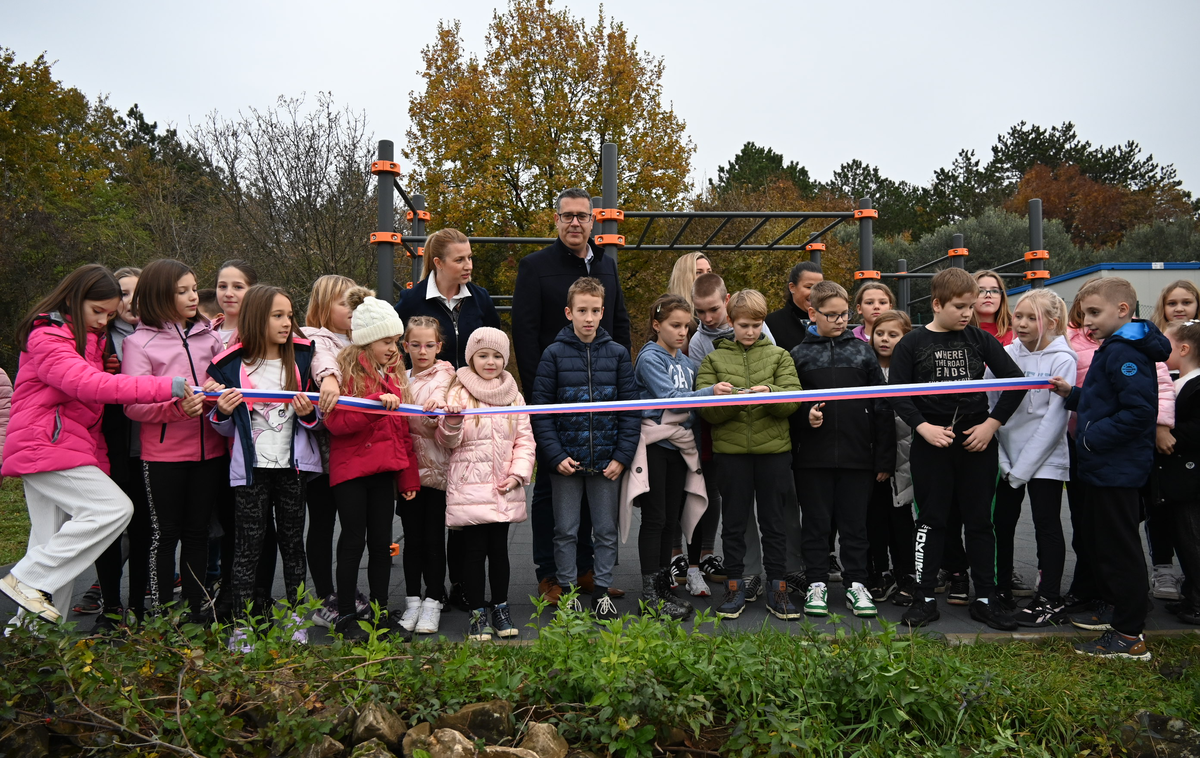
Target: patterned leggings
[[278, 490]]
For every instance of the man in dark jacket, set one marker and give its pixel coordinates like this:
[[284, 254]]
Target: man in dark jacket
[[586, 451], [538, 315]]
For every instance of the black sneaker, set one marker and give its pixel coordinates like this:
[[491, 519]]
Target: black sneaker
[[109, 622], [1006, 600], [89, 603], [921, 613], [906, 590], [835, 569], [796, 582], [754, 588], [1041, 611], [1076, 604], [1188, 614], [713, 568], [942, 581], [1113, 644], [604, 608], [679, 566], [1098, 619], [349, 628], [881, 587], [958, 590], [457, 598], [993, 615], [390, 626], [502, 622], [480, 631]]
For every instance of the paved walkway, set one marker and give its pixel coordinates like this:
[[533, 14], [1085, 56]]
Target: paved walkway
[[955, 623]]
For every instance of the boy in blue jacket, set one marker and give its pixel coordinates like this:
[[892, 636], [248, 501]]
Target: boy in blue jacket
[[589, 451], [1117, 408]]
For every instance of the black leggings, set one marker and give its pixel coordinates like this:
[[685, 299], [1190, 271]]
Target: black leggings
[[365, 507], [111, 562], [182, 496], [1085, 581], [424, 521], [1160, 525], [889, 530], [666, 471], [276, 496], [1045, 501], [322, 515], [485, 542]]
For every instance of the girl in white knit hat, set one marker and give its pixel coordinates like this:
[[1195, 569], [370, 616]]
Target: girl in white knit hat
[[369, 455]]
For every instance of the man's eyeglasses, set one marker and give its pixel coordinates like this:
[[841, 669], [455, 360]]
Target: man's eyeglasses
[[990, 293], [419, 345], [835, 317], [582, 218]]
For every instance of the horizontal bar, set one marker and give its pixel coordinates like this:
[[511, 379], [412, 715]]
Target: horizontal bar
[[419, 241], [713, 236], [739, 214], [1017, 262], [931, 263], [751, 233], [926, 275]]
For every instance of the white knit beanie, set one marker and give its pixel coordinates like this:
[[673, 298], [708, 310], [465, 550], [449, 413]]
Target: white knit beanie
[[374, 320]]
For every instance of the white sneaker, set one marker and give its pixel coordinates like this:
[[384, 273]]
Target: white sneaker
[[412, 612], [696, 584], [32, 600], [431, 616], [1165, 584]]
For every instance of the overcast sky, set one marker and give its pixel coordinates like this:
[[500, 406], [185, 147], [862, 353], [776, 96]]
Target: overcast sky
[[900, 85]]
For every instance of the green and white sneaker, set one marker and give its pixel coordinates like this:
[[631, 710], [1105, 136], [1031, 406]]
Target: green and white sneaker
[[816, 600], [858, 600]]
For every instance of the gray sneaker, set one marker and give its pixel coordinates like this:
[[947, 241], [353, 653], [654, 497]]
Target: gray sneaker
[[754, 588]]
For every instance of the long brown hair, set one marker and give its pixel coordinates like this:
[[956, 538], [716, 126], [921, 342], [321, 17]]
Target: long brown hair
[[253, 321], [88, 282], [1003, 314], [154, 298]]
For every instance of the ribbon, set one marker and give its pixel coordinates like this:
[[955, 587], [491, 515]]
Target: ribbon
[[676, 403]]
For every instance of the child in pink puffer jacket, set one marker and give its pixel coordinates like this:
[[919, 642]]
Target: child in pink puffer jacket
[[491, 463], [54, 441]]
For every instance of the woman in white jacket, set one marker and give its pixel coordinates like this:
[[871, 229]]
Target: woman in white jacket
[[1033, 455]]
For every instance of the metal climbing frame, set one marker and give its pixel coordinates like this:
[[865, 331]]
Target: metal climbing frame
[[609, 216]]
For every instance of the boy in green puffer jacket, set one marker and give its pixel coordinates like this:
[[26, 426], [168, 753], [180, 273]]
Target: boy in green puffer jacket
[[752, 451]]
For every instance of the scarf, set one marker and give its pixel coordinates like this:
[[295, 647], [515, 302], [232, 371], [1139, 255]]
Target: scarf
[[499, 391]]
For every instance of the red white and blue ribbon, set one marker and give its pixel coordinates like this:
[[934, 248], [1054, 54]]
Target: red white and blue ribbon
[[679, 403]]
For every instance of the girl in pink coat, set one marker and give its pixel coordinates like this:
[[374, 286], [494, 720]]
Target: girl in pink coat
[[424, 518], [54, 442], [184, 461], [491, 463]]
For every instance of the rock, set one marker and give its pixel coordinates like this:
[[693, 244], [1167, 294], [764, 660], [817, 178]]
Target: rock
[[545, 741], [507, 752], [450, 743], [372, 749], [328, 747], [490, 722], [675, 736], [26, 741], [1153, 735], [417, 738], [378, 723]]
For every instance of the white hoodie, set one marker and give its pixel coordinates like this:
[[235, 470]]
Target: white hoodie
[[1033, 444]]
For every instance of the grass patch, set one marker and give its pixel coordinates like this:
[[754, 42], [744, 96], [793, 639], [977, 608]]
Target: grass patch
[[621, 688], [14, 521]]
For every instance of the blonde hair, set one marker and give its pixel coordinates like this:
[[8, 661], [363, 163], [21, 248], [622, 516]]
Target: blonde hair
[[1049, 307], [1160, 308], [326, 291], [356, 365], [1003, 315], [585, 285], [438, 244], [683, 276], [748, 303]]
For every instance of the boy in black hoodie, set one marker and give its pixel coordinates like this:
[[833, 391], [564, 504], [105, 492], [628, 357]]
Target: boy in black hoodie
[[848, 446], [1115, 439]]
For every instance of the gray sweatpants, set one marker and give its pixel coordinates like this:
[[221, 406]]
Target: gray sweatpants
[[602, 497]]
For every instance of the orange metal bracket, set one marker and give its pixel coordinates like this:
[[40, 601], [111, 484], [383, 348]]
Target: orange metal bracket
[[866, 213], [1034, 255], [866, 275], [1037, 274], [608, 214], [377, 237], [815, 246], [954, 251], [423, 215], [385, 167], [611, 239], [420, 253]]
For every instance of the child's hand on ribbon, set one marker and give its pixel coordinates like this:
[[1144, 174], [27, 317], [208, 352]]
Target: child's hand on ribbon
[[1062, 387], [302, 405], [391, 403], [330, 391], [229, 399], [192, 405]]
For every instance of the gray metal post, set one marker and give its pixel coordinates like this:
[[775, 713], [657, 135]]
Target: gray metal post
[[866, 242], [957, 261], [1035, 242], [903, 287], [385, 254], [608, 179], [814, 255], [418, 227]]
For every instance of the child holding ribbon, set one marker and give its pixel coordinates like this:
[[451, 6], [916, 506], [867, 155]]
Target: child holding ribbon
[[273, 450]]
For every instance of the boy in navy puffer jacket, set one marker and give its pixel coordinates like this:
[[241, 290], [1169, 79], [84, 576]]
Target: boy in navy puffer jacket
[[589, 450], [1115, 440]]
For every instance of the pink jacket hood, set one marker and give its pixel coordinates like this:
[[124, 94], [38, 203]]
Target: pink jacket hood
[[432, 457], [484, 451], [59, 400], [1084, 347], [167, 434]]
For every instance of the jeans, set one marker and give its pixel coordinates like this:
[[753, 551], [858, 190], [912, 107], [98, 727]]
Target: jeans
[[602, 495], [541, 515]]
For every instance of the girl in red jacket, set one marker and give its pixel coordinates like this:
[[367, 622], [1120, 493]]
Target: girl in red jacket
[[185, 461], [55, 444], [369, 454], [491, 463]]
